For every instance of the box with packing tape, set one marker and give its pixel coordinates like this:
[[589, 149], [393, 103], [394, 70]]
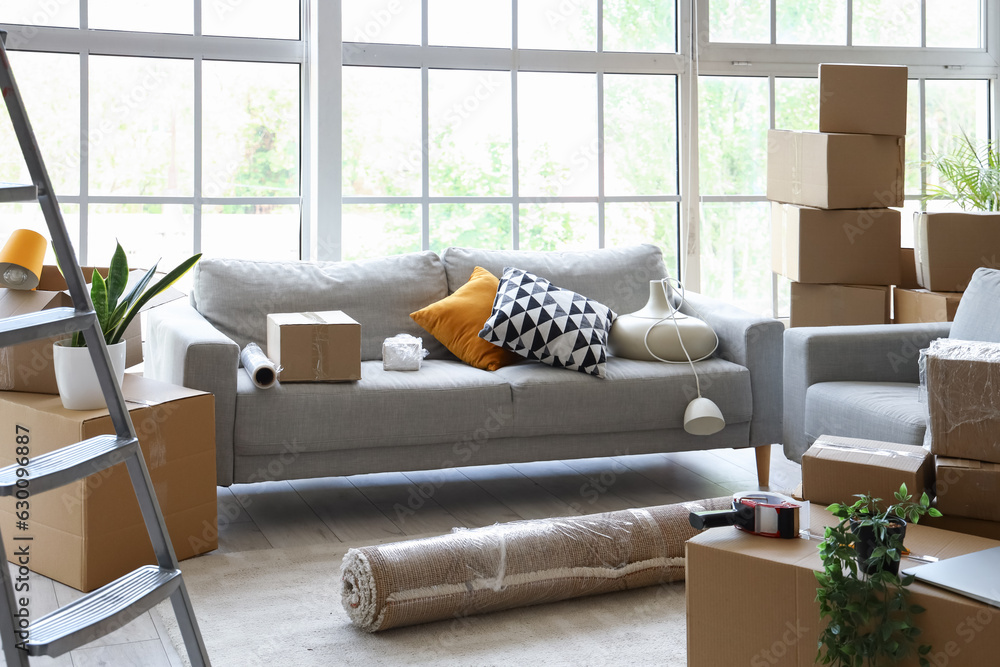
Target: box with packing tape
[[90, 532], [28, 366], [315, 347], [828, 305], [834, 170], [968, 488], [752, 600], [813, 245], [959, 381], [949, 247], [835, 468]]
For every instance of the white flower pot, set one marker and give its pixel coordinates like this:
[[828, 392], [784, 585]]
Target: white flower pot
[[76, 377]]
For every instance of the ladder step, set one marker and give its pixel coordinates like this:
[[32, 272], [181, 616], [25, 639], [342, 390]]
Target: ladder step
[[102, 611], [73, 462], [43, 324], [14, 192]]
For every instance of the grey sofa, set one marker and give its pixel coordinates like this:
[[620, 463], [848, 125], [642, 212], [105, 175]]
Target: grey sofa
[[863, 381], [448, 413]]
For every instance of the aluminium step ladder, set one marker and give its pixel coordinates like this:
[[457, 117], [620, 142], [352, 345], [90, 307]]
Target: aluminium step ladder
[[108, 608]]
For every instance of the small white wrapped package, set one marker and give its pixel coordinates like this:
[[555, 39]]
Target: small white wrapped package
[[403, 352]]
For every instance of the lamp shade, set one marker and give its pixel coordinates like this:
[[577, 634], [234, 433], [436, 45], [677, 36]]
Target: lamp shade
[[21, 259]]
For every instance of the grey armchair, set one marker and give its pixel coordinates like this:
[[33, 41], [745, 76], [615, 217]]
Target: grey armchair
[[863, 381]]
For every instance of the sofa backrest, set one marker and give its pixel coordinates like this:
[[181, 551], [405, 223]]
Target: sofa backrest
[[236, 295], [617, 277], [978, 317]]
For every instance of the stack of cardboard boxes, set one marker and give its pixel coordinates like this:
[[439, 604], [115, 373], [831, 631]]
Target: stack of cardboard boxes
[[833, 234], [90, 532]]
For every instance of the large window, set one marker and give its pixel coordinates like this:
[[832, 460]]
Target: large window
[[173, 127]]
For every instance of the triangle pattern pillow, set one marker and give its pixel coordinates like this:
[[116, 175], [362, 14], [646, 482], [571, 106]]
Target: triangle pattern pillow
[[539, 321]]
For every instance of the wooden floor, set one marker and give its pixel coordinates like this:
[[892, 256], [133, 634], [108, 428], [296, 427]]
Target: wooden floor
[[367, 507]]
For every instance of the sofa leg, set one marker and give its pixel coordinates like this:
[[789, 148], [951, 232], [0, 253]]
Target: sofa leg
[[763, 464]]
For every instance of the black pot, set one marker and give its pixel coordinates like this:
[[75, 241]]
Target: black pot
[[865, 543]]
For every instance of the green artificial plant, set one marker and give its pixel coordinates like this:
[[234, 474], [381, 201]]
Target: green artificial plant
[[116, 309], [970, 176], [871, 622]]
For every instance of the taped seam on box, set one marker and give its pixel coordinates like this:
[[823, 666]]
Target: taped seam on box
[[889, 453], [6, 372], [796, 175]]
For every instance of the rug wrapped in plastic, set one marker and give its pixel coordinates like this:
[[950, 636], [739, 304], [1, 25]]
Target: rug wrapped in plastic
[[516, 564]]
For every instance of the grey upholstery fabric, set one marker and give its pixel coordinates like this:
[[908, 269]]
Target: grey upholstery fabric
[[634, 395], [617, 277], [444, 401], [871, 353], [978, 314], [756, 343], [183, 348], [237, 295], [885, 411]]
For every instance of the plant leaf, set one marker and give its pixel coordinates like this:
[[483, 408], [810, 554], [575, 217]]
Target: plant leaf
[[117, 277], [99, 296], [136, 303]]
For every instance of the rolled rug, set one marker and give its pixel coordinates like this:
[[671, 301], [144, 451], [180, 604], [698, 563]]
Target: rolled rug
[[262, 370], [516, 564]]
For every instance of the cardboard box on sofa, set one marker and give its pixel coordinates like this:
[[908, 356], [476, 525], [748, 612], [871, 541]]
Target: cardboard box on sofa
[[961, 380], [920, 305], [949, 247], [863, 99], [90, 532], [834, 469], [834, 170], [752, 600], [813, 245], [968, 488], [826, 305], [28, 366], [315, 347]]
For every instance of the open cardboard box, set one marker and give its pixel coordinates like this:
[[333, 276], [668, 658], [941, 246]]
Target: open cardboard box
[[752, 600], [28, 366]]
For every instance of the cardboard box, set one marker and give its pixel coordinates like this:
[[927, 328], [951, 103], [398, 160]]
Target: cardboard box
[[864, 99], [752, 600], [961, 379], [949, 247], [907, 269], [920, 305], [968, 488], [813, 245], [90, 532], [28, 366], [960, 524], [835, 170], [314, 347], [826, 305], [834, 469]]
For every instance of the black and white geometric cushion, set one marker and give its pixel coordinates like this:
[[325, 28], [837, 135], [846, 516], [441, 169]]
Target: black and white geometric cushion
[[555, 326]]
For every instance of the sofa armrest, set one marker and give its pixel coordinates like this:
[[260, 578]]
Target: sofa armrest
[[755, 342], [183, 348], [870, 353]]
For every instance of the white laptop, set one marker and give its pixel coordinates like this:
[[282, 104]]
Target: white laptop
[[975, 575]]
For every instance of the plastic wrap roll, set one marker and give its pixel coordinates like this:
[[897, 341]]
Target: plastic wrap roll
[[262, 370], [516, 564]]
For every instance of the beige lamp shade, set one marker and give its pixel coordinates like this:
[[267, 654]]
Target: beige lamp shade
[[21, 260]]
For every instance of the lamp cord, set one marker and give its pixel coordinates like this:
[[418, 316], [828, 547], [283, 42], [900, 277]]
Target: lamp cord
[[673, 317]]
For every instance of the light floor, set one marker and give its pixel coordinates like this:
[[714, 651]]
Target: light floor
[[355, 509]]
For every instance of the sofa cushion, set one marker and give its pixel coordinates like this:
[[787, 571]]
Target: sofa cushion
[[617, 277], [978, 317], [445, 401], [539, 321], [884, 411], [236, 295], [633, 396], [456, 320]]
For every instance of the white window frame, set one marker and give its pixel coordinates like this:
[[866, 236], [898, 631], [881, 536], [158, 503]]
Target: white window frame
[[85, 41]]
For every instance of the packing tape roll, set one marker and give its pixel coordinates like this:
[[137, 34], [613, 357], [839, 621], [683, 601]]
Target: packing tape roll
[[262, 370]]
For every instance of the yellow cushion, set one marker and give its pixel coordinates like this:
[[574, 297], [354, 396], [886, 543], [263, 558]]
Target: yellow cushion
[[457, 319]]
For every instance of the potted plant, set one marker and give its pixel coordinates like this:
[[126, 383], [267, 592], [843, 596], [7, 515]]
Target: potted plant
[[860, 591], [970, 176], [116, 309]]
